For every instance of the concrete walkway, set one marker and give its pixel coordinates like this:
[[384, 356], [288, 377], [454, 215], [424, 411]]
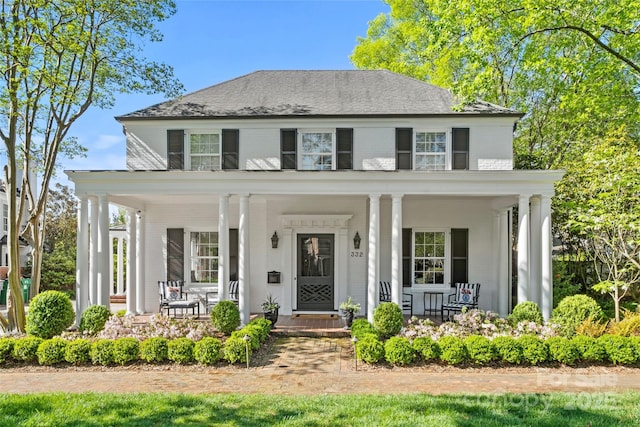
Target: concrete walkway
[[308, 366]]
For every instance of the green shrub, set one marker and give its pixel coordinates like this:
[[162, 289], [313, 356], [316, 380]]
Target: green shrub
[[527, 311], [398, 351], [51, 351], [534, 350], [25, 349], [6, 348], [426, 348], [480, 349], [263, 326], [620, 350], [102, 352], [94, 318], [635, 343], [181, 350], [574, 310], [361, 327], [50, 313], [234, 350], [126, 350], [563, 350], [154, 350], [78, 352], [508, 349], [121, 313], [387, 319], [207, 350], [589, 348], [225, 317], [369, 348], [254, 342], [452, 350]]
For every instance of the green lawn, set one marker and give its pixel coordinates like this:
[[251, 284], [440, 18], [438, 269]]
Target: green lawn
[[94, 409]]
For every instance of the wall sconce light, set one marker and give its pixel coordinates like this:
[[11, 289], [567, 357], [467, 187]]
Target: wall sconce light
[[356, 241], [274, 240]]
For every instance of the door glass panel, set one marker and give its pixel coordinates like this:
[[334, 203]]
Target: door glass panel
[[316, 257]]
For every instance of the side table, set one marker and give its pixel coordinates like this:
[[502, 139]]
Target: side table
[[433, 307]]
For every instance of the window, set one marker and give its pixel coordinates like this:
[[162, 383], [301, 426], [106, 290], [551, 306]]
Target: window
[[316, 150], [204, 257], [431, 151], [429, 259], [5, 217], [204, 151]]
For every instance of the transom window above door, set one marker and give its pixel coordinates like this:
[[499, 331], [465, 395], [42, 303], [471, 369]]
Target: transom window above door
[[317, 150], [431, 151], [204, 151]]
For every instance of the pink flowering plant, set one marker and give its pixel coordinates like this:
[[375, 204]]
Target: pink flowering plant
[[157, 326]]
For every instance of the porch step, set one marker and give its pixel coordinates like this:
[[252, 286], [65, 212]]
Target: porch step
[[118, 299], [311, 333]]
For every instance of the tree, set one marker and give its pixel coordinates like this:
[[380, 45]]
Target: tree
[[58, 59]]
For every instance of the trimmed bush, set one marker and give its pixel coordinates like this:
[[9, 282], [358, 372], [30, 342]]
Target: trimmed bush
[[225, 317], [534, 350], [181, 350], [620, 350], [254, 342], [589, 348], [154, 350], [508, 349], [6, 348], [426, 348], [387, 319], [398, 351], [50, 313], [635, 343], [369, 348], [480, 349], [234, 350], [78, 352], [51, 351], [527, 311], [263, 327], [102, 352], [452, 350], [207, 350], [361, 327], [25, 349], [563, 350], [126, 350], [574, 310], [94, 318]]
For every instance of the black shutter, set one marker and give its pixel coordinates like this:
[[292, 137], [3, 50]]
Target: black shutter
[[404, 148], [175, 149], [407, 278], [460, 145], [175, 254], [233, 254], [230, 148], [344, 146], [459, 256], [288, 145]]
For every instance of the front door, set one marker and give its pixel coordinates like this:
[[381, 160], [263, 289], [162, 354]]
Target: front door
[[315, 271]]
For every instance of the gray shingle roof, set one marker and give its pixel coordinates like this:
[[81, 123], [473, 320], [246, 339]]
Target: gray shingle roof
[[316, 93]]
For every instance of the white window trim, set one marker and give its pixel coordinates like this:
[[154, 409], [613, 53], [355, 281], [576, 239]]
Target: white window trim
[[188, 145], [300, 153], [447, 153], [188, 255], [446, 286]]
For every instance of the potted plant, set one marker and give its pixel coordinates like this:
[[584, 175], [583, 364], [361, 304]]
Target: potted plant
[[349, 309], [270, 309]]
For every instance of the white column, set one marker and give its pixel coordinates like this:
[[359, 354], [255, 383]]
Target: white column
[[93, 253], [504, 260], [523, 248], [546, 261], [140, 279], [131, 260], [111, 272], [82, 259], [223, 246], [104, 248], [373, 264], [535, 253], [119, 267], [244, 285], [396, 249]]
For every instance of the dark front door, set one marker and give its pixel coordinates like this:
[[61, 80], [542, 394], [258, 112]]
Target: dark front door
[[315, 271]]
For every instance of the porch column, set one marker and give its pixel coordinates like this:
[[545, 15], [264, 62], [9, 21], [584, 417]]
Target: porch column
[[523, 248], [111, 272], [503, 262], [93, 253], [373, 264], [396, 249], [131, 260], [223, 246], [82, 259], [140, 294], [104, 249], [244, 285], [546, 304], [119, 281], [535, 255]]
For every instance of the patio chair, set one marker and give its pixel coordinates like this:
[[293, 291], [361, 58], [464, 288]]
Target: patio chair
[[385, 296], [212, 298], [466, 295], [172, 298]]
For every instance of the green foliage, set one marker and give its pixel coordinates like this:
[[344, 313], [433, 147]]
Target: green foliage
[[254, 340], [526, 311], [361, 327], [154, 350], [78, 352], [574, 310], [51, 351], [508, 349], [426, 348], [563, 350], [589, 348], [102, 352], [50, 313], [234, 350], [369, 348], [563, 282], [534, 350], [480, 349], [398, 351], [452, 350], [263, 326], [387, 319], [126, 350], [94, 318], [629, 325], [225, 317], [620, 350], [207, 350], [25, 349], [591, 327], [6, 348], [181, 350]]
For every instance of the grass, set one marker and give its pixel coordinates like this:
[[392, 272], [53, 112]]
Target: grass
[[163, 409]]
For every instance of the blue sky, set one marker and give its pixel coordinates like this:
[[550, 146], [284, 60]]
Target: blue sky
[[210, 41]]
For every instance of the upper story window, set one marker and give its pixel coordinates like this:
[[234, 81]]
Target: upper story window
[[430, 151], [316, 150], [5, 217], [204, 151]]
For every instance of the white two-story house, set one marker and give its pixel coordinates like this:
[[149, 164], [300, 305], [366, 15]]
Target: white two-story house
[[313, 186]]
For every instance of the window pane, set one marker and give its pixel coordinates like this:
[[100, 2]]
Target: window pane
[[204, 257]]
